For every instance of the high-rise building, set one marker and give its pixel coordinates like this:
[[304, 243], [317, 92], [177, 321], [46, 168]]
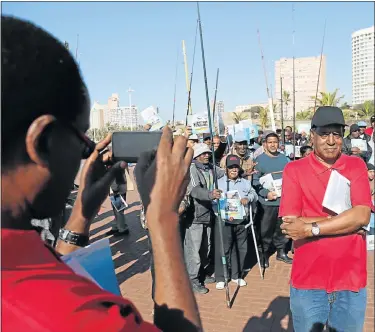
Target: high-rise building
[[306, 80], [219, 106], [123, 116], [112, 113], [97, 112], [363, 65]]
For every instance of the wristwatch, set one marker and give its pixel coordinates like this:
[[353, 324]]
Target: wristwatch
[[76, 239], [315, 230]]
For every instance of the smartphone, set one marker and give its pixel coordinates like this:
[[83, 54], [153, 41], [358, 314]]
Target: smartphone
[[129, 145]]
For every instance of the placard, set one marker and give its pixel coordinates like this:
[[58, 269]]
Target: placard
[[200, 123], [359, 143]]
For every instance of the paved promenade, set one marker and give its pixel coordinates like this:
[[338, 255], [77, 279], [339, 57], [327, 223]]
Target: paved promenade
[[261, 306]]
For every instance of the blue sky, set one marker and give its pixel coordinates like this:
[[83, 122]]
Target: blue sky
[[130, 43]]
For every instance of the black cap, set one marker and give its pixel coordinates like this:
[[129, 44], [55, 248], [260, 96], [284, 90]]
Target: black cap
[[372, 119], [206, 136], [370, 167], [327, 115], [232, 160], [354, 127]]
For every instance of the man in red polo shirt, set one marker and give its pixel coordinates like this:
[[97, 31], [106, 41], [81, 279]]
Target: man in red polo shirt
[[44, 115], [328, 280], [370, 130]]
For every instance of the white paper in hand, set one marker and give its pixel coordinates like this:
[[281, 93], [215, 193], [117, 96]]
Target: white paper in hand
[[337, 195]]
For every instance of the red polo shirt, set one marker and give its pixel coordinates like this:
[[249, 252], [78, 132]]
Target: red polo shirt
[[329, 263], [369, 131], [42, 294]]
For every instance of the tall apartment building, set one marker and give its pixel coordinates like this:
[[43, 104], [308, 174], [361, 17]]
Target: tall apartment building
[[363, 65], [306, 80], [112, 113], [219, 106]]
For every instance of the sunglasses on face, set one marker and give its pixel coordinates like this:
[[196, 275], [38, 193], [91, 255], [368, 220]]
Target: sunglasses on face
[[88, 146]]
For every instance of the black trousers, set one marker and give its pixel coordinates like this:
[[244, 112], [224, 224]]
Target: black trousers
[[235, 249], [268, 229]]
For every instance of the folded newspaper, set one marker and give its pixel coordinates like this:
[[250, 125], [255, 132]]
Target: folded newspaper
[[231, 207], [269, 183], [95, 262]]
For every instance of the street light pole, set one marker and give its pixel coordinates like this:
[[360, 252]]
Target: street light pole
[[130, 107]]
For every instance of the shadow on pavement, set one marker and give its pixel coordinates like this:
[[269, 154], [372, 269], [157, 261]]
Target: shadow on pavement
[[270, 320]]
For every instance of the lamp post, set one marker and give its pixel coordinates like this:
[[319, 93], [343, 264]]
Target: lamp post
[[130, 107]]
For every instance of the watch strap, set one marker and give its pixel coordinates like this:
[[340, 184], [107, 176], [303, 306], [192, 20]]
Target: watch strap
[[74, 238]]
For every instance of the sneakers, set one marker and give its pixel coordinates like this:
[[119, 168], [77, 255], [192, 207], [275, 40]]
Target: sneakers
[[220, 285], [198, 288], [209, 280], [239, 282]]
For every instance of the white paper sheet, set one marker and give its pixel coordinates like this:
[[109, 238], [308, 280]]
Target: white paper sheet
[[337, 195], [359, 143]]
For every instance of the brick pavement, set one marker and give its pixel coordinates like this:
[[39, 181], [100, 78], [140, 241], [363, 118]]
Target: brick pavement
[[261, 306]]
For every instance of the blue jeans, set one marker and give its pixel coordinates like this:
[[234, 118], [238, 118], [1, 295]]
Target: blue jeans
[[341, 311]]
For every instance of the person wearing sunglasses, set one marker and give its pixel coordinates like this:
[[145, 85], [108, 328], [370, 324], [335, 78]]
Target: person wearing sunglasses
[[44, 116], [350, 144]]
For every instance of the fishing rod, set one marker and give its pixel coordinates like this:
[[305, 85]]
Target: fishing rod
[[282, 112], [77, 47], [214, 106], [174, 95], [189, 110], [294, 91], [320, 65], [270, 101], [220, 222]]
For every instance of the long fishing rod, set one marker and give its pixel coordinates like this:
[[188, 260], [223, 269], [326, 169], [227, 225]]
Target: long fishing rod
[[270, 102], [191, 77], [294, 92], [214, 106], [282, 112], [220, 222], [77, 47], [320, 65], [175, 88]]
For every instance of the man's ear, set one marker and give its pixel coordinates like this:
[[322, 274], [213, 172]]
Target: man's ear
[[33, 139]]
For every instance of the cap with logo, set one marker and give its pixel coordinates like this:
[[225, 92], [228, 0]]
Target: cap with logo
[[372, 119], [200, 148], [326, 116], [233, 160]]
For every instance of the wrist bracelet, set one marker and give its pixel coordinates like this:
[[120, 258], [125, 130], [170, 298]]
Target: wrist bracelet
[[74, 238]]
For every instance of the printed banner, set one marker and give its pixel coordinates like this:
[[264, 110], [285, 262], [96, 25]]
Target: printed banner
[[200, 123]]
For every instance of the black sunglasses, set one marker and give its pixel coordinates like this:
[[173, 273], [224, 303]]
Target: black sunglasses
[[88, 144]]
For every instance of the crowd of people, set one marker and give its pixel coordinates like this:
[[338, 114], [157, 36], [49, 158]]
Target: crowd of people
[[44, 141]]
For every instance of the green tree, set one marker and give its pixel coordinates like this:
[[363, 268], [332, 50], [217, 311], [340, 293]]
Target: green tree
[[263, 117], [286, 100], [328, 98], [367, 109], [304, 115], [237, 117]]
